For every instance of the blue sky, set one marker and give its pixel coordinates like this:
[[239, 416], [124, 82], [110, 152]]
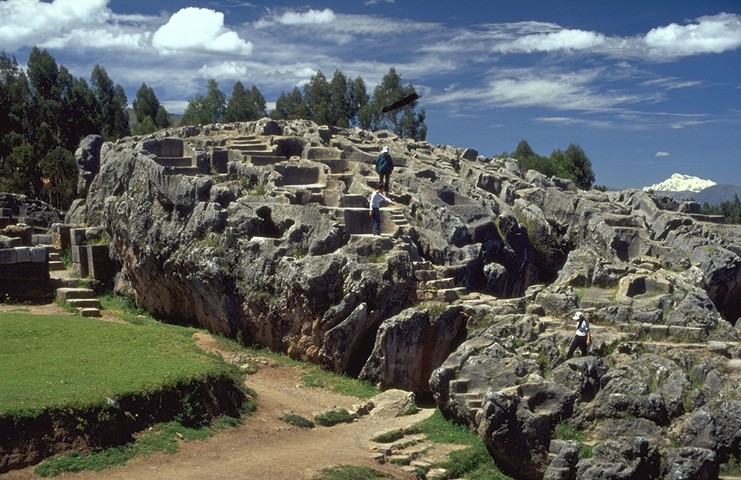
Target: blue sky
[[647, 88]]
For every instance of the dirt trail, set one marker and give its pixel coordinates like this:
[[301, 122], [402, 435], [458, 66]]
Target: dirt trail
[[264, 447]]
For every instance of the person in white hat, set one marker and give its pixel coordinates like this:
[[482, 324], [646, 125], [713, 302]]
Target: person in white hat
[[384, 167], [582, 337]]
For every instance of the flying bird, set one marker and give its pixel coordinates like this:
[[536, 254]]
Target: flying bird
[[401, 103]]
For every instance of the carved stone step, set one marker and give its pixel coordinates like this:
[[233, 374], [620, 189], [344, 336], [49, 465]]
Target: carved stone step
[[89, 312], [68, 293], [80, 303]]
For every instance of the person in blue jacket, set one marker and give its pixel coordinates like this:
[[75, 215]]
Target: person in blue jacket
[[384, 167]]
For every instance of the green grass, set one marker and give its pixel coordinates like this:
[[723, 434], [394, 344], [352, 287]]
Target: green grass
[[316, 377], [565, 431], [349, 472], [472, 462], [389, 437], [163, 437], [125, 308], [313, 376], [75, 362], [333, 417], [297, 420]]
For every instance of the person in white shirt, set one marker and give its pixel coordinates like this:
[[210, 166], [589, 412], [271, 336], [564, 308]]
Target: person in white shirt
[[582, 337], [375, 208]]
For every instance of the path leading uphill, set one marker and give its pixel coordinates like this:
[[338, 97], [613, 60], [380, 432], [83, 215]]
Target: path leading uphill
[[263, 447]]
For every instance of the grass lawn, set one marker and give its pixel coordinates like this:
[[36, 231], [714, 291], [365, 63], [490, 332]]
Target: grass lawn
[[69, 361]]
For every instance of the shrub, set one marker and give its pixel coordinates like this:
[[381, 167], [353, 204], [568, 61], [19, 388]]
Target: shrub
[[333, 417]]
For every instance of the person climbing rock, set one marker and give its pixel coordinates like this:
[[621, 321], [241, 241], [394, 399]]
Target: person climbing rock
[[582, 337], [384, 167], [375, 208]]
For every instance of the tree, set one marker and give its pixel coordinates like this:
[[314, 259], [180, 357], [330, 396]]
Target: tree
[[403, 121], [289, 106], [523, 150], [58, 170], [195, 112], [145, 104], [358, 99], [244, 105], [148, 111], [214, 102], [206, 109], [163, 118], [257, 99], [580, 166], [575, 165], [145, 126], [340, 100], [317, 100], [113, 118], [15, 98], [19, 172], [79, 113]]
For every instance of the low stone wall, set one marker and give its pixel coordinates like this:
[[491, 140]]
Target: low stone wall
[[24, 274]]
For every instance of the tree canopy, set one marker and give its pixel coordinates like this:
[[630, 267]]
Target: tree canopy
[[573, 163], [48, 112], [345, 103]]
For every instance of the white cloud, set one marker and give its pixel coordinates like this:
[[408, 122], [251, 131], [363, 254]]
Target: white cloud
[[100, 38], [571, 121], [662, 153], [709, 34], [557, 90], [566, 39], [32, 22], [309, 17], [199, 30]]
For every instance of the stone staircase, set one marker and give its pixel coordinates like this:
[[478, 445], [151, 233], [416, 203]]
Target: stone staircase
[[252, 150], [434, 288], [69, 288], [81, 299], [179, 165], [413, 453], [55, 260]]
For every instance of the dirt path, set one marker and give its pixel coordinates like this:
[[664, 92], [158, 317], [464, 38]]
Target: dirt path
[[265, 447]]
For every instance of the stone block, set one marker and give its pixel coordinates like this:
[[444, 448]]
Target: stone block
[[60, 235], [41, 239], [23, 254], [219, 160], [39, 254], [8, 256], [12, 242], [100, 265], [80, 261], [76, 236]]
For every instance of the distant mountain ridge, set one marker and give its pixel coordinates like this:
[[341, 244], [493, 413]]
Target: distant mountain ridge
[[688, 187]]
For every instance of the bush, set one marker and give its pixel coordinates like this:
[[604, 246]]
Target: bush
[[333, 417], [296, 420]]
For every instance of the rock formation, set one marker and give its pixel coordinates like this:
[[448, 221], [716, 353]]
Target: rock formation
[[260, 231]]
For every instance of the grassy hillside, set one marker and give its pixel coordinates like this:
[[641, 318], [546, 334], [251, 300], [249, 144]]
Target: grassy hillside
[[54, 361]]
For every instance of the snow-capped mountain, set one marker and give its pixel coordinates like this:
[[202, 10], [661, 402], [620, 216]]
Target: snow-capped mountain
[[687, 187], [681, 183]]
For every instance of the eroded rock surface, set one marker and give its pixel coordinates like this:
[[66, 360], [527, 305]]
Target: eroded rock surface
[[260, 231]]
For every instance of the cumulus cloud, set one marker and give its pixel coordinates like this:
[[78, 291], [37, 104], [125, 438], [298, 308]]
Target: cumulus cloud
[[198, 30], [32, 22], [662, 153], [708, 34]]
